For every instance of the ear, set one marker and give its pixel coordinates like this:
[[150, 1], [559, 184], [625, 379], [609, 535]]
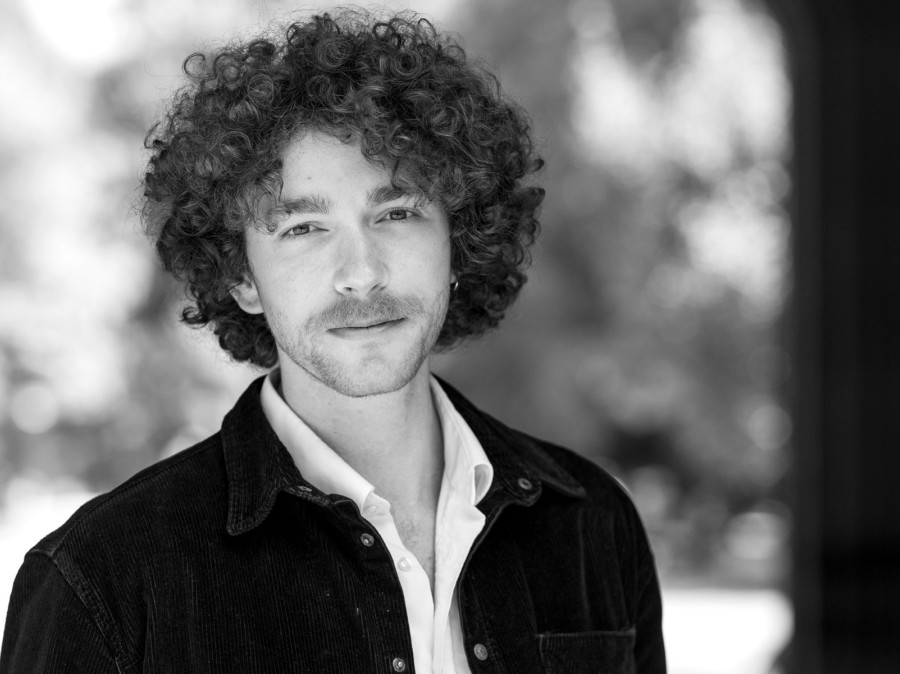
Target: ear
[[247, 296]]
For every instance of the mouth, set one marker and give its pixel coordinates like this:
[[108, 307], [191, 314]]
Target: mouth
[[366, 328], [372, 324]]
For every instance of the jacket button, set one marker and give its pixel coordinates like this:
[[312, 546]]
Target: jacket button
[[481, 651], [368, 541], [525, 483], [399, 665]]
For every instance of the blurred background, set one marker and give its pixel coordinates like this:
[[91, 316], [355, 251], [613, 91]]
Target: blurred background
[[650, 337]]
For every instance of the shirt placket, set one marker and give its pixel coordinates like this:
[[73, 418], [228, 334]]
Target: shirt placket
[[458, 524], [417, 594]]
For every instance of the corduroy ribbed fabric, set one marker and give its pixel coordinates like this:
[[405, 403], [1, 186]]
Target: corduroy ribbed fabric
[[223, 558]]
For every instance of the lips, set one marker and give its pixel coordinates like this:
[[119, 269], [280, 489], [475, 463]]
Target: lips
[[370, 324], [367, 328]]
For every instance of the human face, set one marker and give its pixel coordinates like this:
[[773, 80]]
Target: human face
[[353, 275]]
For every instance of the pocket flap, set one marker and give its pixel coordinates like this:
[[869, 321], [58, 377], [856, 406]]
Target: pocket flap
[[583, 652]]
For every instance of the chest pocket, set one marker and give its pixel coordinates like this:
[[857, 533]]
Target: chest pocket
[[587, 652]]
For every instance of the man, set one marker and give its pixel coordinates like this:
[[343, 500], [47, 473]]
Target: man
[[340, 203]]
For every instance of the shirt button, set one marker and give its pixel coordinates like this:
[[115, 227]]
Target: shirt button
[[525, 483], [481, 651], [404, 564], [367, 540], [399, 665]]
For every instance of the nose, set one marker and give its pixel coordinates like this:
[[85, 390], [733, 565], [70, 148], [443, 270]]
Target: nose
[[360, 267]]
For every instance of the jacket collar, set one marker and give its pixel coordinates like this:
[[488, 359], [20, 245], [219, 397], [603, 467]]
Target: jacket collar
[[259, 467], [521, 466]]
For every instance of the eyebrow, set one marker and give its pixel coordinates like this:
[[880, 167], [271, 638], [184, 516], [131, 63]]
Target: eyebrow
[[386, 193], [304, 205], [314, 203]]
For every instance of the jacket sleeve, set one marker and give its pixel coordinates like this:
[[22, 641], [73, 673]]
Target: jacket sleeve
[[649, 647], [48, 628]]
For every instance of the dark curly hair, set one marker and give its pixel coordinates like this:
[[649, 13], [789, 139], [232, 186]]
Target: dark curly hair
[[412, 100]]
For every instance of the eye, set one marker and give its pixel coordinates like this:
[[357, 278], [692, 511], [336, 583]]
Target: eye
[[400, 214], [298, 230]]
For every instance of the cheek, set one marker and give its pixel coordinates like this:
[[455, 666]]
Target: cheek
[[435, 256], [428, 269], [283, 289]]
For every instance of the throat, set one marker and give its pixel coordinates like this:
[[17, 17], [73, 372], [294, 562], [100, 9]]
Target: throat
[[416, 529]]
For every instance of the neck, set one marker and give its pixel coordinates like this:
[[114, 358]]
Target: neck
[[393, 439]]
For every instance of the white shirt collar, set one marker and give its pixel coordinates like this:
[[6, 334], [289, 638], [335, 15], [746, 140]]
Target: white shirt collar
[[466, 466]]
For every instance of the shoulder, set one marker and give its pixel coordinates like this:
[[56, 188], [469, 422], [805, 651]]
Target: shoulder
[[98, 568], [606, 514], [602, 489], [599, 483], [149, 506]]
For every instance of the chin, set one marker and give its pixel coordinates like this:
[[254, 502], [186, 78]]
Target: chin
[[361, 389], [370, 377], [354, 383]]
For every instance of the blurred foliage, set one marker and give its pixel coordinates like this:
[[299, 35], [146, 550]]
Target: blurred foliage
[[647, 337]]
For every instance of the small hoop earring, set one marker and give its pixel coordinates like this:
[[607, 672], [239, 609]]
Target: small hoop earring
[[454, 286]]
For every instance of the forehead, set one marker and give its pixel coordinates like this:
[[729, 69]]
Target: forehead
[[319, 161], [319, 167]]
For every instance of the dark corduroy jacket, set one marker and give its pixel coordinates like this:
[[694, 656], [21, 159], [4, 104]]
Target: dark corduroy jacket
[[224, 559]]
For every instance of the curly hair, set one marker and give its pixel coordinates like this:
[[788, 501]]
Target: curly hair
[[412, 100]]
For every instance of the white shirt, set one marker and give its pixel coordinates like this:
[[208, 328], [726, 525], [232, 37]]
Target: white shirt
[[434, 623]]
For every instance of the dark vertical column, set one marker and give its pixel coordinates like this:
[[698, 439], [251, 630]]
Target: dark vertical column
[[847, 335]]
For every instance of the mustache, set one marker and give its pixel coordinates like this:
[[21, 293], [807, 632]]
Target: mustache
[[378, 309]]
